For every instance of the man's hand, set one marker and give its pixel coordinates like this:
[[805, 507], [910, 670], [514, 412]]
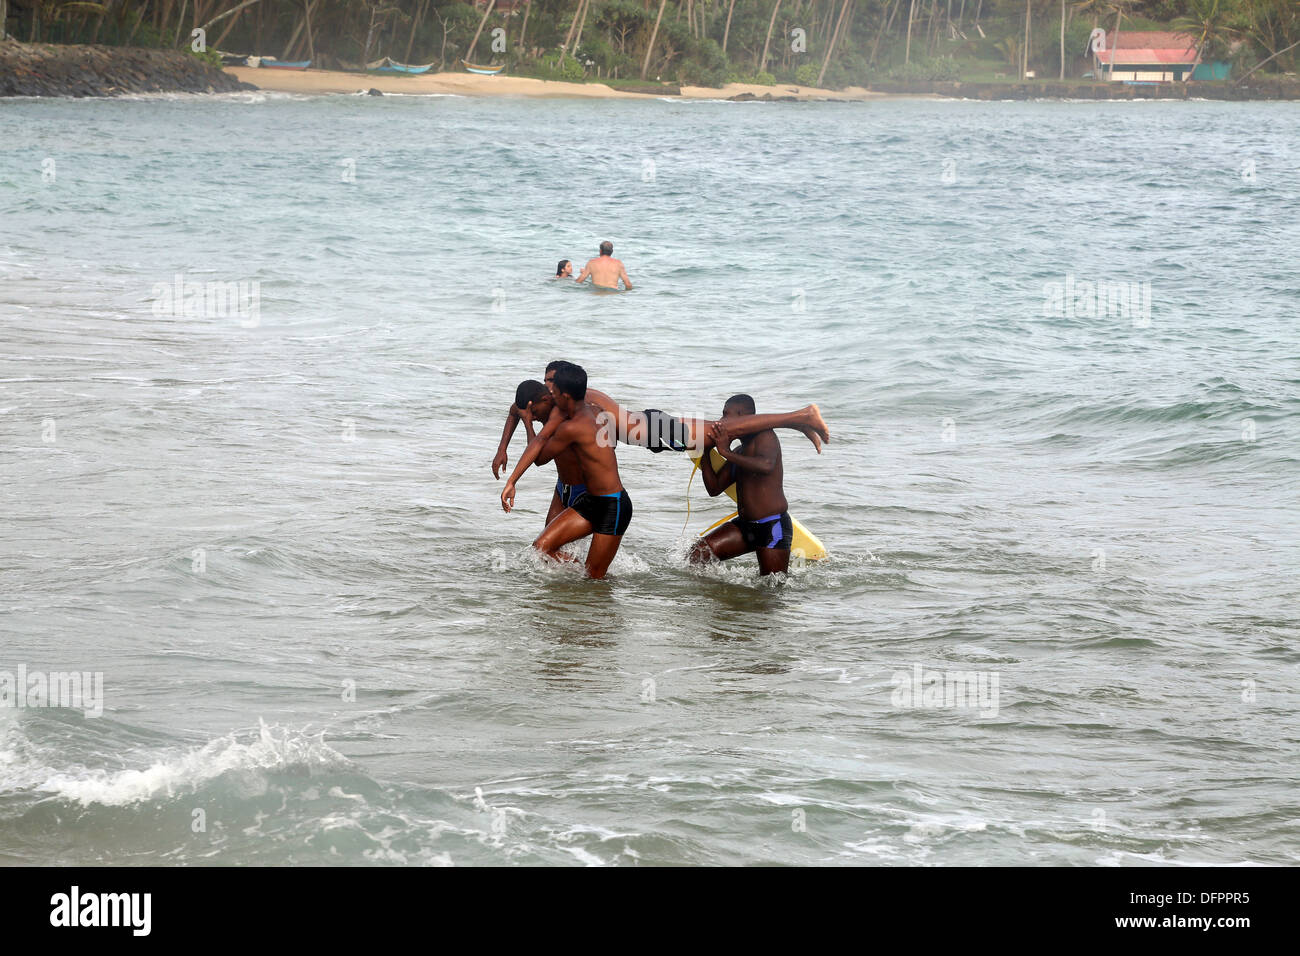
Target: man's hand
[[498, 463], [526, 415], [721, 438], [508, 497]]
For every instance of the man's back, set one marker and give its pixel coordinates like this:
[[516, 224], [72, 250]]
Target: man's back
[[605, 271]]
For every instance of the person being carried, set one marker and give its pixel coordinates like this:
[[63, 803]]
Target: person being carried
[[604, 509], [533, 402], [763, 524], [659, 432], [605, 270]]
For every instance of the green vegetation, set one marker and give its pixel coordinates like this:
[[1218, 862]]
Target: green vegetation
[[831, 43]]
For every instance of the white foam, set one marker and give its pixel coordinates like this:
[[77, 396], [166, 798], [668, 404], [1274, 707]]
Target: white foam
[[266, 751]]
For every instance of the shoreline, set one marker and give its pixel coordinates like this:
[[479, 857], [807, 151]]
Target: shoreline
[[77, 71], [323, 82], [471, 84]]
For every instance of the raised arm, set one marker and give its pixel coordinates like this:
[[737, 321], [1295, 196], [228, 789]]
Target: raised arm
[[586, 271]]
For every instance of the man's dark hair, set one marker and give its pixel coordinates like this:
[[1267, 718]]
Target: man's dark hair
[[529, 390], [559, 270], [607, 248], [743, 403], [571, 380], [551, 367]]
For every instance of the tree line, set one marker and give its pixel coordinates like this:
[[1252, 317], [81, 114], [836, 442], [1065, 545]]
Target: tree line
[[832, 43]]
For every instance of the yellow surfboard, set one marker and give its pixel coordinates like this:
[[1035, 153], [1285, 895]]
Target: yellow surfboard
[[804, 544]]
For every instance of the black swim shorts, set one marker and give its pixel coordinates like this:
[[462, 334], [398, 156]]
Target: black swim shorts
[[775, 532], [664, 432], [608, 514]]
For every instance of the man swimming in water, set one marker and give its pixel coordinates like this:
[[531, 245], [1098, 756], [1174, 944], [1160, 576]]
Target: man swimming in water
[[763, 524], [533, 402], [604, 509], [605, 270], [658, 432]]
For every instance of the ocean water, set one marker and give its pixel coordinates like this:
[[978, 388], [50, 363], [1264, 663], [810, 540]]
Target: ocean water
[[270, 526]]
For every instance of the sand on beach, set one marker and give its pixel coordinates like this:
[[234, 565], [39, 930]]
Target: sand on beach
[[470, 84]]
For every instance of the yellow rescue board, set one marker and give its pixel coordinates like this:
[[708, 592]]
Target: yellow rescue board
[[804, 544]]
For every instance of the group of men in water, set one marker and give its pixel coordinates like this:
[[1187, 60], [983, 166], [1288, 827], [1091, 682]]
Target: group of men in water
[[580, 427]]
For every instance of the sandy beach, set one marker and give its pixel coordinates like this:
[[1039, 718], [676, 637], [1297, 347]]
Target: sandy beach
[[470, 84]]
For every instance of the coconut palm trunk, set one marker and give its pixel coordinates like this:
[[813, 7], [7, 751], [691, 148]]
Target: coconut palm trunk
[[1062, 39], [477, 33], [762, 63], [726, 33], [1115, 49], [566, 46], [1024, 54], [523, 31], [834, 39], [654, 34], [907, 50]]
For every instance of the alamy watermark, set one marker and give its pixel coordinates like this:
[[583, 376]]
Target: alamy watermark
[[210, 300], [74, 690], [1088, 299], [946, 689]]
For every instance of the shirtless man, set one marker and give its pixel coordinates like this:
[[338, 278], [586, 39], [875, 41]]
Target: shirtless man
[[605, 270], [658, 432], [533, 402], [763, 524], [604, 509]]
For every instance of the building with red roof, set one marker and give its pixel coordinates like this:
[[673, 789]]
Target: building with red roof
[[1152, 56]]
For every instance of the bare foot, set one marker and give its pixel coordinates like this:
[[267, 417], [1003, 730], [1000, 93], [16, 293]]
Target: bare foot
[[818, 423], [811, 434]]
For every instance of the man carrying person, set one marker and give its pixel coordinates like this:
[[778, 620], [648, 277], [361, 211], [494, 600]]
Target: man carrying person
[[605, 270], [763, 524], [658, 432]]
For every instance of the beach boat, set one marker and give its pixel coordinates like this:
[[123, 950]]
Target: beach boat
[[271, 63], [483, 70], [387, 65]]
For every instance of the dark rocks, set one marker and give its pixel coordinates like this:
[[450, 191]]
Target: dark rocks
[[43, 69], [374, 92]]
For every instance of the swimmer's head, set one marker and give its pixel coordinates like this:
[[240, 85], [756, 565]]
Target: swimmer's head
[[607, 248], [531, 390], [564, 268], [738, 405], [549, 377], [570, 382]]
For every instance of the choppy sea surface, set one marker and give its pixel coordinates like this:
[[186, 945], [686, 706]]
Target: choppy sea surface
[[1056, 345]]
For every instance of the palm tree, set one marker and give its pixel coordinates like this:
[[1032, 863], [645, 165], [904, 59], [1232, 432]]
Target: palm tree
[[469, 53], [1062, 39], [645, 64], [762, 63], [1121, 8], [1208, 17]]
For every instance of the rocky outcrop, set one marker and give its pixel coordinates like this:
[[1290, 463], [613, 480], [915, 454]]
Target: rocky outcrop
[[41, 69]]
